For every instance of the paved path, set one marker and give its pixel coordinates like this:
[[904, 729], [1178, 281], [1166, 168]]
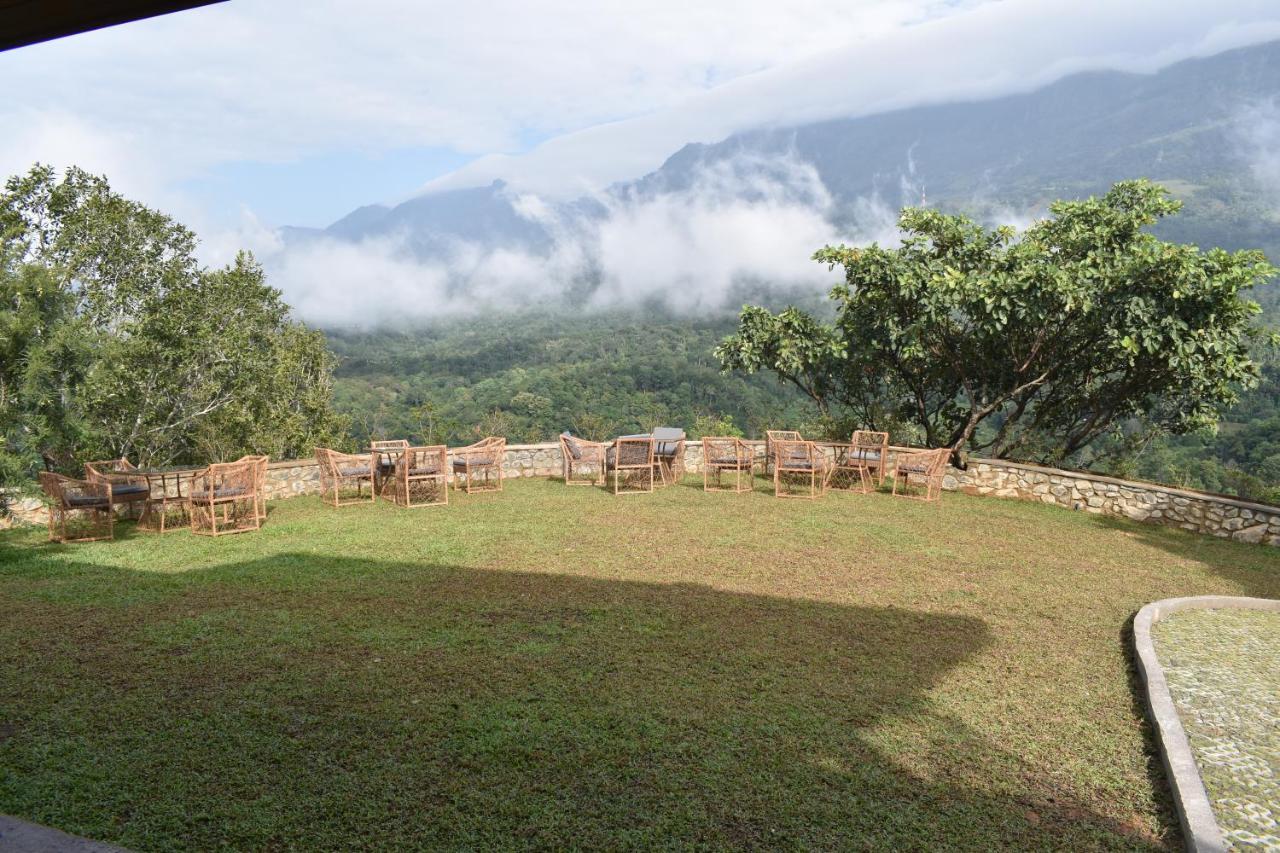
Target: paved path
[[21, 836], [1223, 669]]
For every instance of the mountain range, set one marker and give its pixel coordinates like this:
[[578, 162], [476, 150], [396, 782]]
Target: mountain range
[[1207, 128]]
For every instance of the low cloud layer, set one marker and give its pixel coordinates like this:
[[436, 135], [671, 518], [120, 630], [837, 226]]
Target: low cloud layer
[[1257, 128], [687, 250], [741, 223]]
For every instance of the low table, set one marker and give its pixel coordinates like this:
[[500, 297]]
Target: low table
[[384, 468], [851, 460]]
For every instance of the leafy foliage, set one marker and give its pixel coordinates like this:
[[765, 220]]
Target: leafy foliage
[[1027, 348], [116, 342], [597, 375]]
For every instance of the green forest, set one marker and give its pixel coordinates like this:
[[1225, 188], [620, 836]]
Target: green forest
[[531, 376]]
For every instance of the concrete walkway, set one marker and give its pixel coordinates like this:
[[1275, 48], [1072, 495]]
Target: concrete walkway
[[1223, 672], [21, 836]]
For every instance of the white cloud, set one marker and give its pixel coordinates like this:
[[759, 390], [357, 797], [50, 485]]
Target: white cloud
[[1257, 130], [987, 51], [277, 81]]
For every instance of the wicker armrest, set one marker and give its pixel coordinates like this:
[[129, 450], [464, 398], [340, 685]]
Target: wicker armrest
[[71, 489], [915, 462]]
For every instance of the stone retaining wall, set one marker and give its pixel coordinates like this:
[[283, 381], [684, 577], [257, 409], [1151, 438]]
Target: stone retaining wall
[[1092, 493]]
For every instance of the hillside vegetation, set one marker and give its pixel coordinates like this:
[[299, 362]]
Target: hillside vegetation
[[532, 376]]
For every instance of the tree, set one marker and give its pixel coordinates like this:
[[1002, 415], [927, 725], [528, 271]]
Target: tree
[[117, 342], [1031, 347]]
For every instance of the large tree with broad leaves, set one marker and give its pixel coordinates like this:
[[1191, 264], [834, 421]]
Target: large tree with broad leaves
[[1034, 345], [115, 341]]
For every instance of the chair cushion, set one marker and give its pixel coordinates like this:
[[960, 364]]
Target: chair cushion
[[354, 471], [723, 461], [864, 454], [87, 502], [424, 470], [476, 462], [232, 492], [799, 465], [129, 490]]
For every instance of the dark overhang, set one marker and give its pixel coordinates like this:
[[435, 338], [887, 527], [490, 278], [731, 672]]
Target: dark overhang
[[25, 22]]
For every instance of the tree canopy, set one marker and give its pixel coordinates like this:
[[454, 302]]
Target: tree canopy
[[1031, 346], [115, 341]]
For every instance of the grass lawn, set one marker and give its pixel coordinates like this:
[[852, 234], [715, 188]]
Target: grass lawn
[[557, 667]]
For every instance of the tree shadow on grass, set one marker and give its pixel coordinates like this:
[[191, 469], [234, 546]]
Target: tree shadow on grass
[[304, 701], [1254, 567]]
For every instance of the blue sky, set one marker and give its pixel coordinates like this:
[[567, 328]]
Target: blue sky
[[315, 191]]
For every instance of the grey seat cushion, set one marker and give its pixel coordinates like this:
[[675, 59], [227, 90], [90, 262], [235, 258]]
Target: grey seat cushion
[[87, 502], [354, 471], [218, 493], [424, 470], [729, 460], [476, 462], [126, 491], [864, 454]]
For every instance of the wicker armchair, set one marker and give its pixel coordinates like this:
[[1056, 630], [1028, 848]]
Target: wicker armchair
[[872, 449], [920, 469], [339, 471], [422, 476], [798, 461], [630, 460], [771, 436], [668, 452], [578, 455], [385, 455], [484, 457], [727, 454], [79, 510], [126, 487], [224, 499], [259, 482]]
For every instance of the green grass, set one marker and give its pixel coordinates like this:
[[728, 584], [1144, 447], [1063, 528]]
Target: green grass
[[557, 667]]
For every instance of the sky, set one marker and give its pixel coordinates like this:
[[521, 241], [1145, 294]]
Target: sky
[[248, 115], [299, 112]]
